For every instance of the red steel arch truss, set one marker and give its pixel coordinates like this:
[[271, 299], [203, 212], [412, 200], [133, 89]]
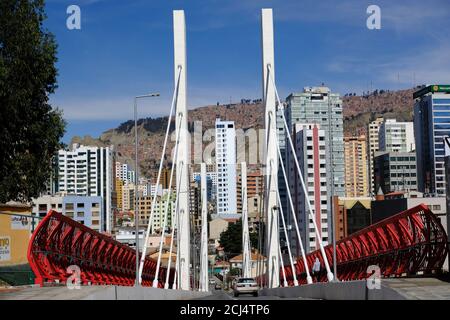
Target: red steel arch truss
[[59, 242], [405, 244]]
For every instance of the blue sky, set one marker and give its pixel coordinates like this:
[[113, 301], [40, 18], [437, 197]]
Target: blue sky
[[125, 48]]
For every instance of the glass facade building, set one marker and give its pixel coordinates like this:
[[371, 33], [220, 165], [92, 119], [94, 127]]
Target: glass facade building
[[431, 125]]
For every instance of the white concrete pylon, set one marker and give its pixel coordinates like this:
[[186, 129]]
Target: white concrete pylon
[[179, 33], [271, 157], [246, 262], [204, 276]]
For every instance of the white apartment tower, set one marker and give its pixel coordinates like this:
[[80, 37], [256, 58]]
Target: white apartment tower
[[226, 167], [396, 136], [87, 171], [124, 173], [310, 147]]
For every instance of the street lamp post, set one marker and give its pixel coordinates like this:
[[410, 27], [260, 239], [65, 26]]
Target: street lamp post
[[136, 179]]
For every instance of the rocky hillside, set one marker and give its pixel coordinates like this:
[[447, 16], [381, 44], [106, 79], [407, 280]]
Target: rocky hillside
[[152, 130], [358, 111]]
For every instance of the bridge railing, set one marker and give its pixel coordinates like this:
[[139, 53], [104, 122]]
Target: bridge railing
[[60, 242], [410, 242]]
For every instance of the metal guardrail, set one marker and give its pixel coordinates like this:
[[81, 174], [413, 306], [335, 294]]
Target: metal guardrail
[[410, 242], [60, 242]]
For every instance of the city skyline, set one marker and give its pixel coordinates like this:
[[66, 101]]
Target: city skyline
[[350, 210]]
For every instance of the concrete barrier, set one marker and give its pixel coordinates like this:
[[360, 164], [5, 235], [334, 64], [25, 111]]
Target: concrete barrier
[[143, 293], [97, 293], [351, 290]]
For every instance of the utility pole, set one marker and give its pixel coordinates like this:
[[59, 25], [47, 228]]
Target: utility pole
[[136, 181]]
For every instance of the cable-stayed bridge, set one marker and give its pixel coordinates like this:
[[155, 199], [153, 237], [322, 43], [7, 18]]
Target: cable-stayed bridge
[[410, 243]]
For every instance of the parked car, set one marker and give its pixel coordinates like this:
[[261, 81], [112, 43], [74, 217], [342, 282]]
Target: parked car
[[245, 285], [212, 282]]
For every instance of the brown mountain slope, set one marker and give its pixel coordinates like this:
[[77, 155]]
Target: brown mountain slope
[[358, 111]]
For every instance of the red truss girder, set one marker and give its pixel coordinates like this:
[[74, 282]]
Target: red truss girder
[[59, 242], [409, 242]]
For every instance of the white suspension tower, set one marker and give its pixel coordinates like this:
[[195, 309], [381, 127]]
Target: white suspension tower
[[246, 262], [271, 157], [204, 276], [183, 260]]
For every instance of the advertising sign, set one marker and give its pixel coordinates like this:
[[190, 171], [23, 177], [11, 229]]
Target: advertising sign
[[19, 223], [5, 248]]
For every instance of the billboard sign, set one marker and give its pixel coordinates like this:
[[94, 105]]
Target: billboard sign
[[5, 248]]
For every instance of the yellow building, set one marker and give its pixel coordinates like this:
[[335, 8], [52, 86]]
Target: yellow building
[[356, 167], [119, 190], [145, 208], [15, 232]]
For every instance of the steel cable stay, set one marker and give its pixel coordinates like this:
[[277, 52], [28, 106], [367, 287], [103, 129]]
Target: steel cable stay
[[291, 203], [283, 271], [330, 275], [158, 179], [166, 284], [166, 208], [287, 240]]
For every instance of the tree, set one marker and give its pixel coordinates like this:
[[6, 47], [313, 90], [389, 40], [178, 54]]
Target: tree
[[30, 130], [231, 239]]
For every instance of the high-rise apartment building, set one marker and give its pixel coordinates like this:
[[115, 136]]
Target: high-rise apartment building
[[356, 167], [87, 210], [145, 205], [320, 106], [124, 173], [431, 125], [396, 136], [395, 171], [119, 194], [226, 167], [128, 195], [255, 182], [87, 171], [374, 129], [315, 105], [310, 147], [211, 180]]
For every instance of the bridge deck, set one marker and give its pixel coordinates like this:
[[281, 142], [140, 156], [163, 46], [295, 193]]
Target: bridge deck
[[391, 289], [48, 293], [96, 293], [420, 288], [399, 288]]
